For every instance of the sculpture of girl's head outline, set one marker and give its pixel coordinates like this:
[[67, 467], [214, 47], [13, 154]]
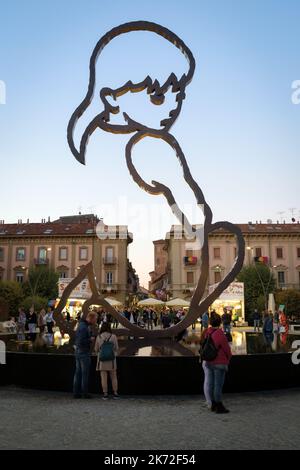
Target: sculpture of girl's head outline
[[151, 85]]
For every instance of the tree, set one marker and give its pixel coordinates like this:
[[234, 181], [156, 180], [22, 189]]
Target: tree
[[259, 282], [37, 302], [42, 282], [291, 299], [12, 294]]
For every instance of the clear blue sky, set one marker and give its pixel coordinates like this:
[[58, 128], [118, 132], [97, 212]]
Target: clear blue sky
[[238, 128]]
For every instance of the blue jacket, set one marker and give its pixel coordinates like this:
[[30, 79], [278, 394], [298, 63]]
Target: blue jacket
[[268, 326], [83, 338]]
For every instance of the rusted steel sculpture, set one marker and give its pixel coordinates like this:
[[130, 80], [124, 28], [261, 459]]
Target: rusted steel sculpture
[[102, 121]]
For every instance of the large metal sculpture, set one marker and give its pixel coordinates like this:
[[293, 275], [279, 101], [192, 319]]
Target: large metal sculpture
[[156, 92]]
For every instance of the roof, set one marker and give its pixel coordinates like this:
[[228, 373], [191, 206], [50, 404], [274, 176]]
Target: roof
[[267, 228], [263, 229], [65, 226]]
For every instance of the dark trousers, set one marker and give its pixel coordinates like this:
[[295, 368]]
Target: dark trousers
[[82, 372]]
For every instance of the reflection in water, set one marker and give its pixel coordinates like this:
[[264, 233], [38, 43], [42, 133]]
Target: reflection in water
[[242, 343]]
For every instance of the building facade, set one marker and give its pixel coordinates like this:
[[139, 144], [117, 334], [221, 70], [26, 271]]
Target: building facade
[[278, 245], [66, 245]]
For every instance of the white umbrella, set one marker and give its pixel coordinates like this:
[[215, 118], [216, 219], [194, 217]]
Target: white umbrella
[[113, 302], [271, 303], [178, 303], [150, 302]]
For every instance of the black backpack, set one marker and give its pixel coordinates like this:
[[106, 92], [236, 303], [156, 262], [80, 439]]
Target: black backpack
[[208, 350]]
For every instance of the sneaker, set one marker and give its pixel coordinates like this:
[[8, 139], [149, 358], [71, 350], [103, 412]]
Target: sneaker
[[213, 406], [116, 396], [105, 396], [220, 408]]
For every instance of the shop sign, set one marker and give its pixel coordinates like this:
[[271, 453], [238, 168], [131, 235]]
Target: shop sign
[[81, 291], [235, 291]]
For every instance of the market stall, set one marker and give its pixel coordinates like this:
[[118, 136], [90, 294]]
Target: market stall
[[232, 299]]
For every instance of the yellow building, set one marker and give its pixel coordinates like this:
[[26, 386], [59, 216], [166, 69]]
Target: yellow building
[[66, 245], [178, 269]]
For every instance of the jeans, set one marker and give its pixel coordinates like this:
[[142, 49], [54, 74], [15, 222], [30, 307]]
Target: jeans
[[206, 383], [227, 328], [82, 372], [216, 378], [256, 324]]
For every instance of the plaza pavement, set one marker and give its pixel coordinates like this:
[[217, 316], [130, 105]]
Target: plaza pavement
[[31, 419]]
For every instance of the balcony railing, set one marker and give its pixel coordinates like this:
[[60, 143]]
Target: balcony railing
[[109, 260], [109, 287], [285, 286], [41, 261]]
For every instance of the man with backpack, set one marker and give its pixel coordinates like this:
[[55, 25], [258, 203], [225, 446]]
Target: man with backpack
[[83, 342]]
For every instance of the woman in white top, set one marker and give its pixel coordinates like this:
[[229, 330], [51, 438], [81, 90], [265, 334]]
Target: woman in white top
[[107, 367]]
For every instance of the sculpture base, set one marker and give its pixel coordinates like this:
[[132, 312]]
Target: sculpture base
[[151, 375]]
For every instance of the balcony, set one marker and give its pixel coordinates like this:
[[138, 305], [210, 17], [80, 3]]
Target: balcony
[[190, 260], [109, 288], [109, 260], [286, 286], [41, 261]]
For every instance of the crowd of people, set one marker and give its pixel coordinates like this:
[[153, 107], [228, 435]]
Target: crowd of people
[[270, 322], [142, 317]]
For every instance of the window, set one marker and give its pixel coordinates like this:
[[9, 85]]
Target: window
[[83, 253], [281, 277], [109, 278], [63, 274], [1, 254], [20, 254], [217, 252], [42, 254], [217, 277], [190, 277], [258, 252], [20, 277], [109, 254], [279, 253], [298, 252], [63, 253]]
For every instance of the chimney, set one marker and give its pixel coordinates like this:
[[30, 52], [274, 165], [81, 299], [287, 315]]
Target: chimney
[[49, 218], [28, 221]]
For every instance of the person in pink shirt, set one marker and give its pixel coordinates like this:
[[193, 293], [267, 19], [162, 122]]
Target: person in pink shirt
[[218, 367]]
